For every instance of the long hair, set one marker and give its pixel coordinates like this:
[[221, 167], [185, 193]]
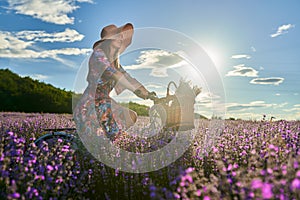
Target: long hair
[[105, 46]]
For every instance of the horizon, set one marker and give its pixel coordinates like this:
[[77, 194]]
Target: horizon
[[254, 47], [201, 116]]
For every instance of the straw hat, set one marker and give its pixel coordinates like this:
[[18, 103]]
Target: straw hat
[[111, 32]]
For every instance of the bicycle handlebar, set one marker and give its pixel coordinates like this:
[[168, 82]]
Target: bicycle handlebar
[[152, 96]]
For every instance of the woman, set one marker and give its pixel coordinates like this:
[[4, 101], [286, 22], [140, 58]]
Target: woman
[[105, 74]]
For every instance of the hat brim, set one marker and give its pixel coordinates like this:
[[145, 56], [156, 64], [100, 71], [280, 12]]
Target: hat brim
[[97, 43], [127, 33]]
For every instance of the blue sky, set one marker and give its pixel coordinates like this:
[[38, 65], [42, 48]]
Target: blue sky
[[254, 45]]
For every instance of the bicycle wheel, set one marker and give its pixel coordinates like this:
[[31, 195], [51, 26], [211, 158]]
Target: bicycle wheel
[[53, 137], [158, 119]]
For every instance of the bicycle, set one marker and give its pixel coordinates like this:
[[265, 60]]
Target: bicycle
[[165, 115], [176, 111], [58, 133]]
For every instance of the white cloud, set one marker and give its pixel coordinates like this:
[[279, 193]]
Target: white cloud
[[14, 47], [282, 30], [255, 110], [296, 116], [247, 106], [208, 109], [208, 103], [267, 81], [293, 113], [296, 108], [52, 11], [158, 61], [241, 56], [68, 35], [53, 54], [154, 86], [7, 41], [39, 76], [253, 49], [64, 51], [159, 72], [281, 105], [241, 70], [206, 97], [85, 1]]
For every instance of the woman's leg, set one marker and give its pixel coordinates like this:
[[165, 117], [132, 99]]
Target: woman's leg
[[106, 119], [123, 115]]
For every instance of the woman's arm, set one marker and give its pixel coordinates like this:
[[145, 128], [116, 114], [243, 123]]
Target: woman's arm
[[131, 84], [120, 76]]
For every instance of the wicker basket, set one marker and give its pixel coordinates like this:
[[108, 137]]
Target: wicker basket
[[179, 108]]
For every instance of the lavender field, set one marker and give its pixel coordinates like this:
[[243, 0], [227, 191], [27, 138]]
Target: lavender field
[[250, 160]]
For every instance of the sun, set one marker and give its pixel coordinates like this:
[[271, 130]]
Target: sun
[[215, 54]]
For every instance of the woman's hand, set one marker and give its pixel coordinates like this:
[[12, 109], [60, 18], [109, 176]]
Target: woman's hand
[[142, 92], [145, 94], [152, 95]]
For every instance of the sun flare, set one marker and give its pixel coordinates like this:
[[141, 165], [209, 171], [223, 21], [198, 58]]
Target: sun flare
[[215, 55]]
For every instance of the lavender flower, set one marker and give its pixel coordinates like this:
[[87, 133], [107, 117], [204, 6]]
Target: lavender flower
[[250, 160]]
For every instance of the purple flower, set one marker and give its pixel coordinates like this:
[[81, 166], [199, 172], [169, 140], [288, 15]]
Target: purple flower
[[189, 170], [269, 170], [267, 191], [215, 149], [152, 188], [2, 157], [50, 168], [296, 165], [295, 184], [198, 193], [256, 184], [59, 180], [263, 172], [243, 153], [206, 198], [251, 194], [235, 165], [284, 172], [281, 197], [189, 178], [41, 177], [65, 150], [152, 194], [177, 196], [283, 182], [271, 146], [15, 195]]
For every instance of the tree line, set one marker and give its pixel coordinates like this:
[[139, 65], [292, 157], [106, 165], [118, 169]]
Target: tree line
[[23, 94]]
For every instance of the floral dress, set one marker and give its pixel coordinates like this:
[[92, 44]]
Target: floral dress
[[94, 111]]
